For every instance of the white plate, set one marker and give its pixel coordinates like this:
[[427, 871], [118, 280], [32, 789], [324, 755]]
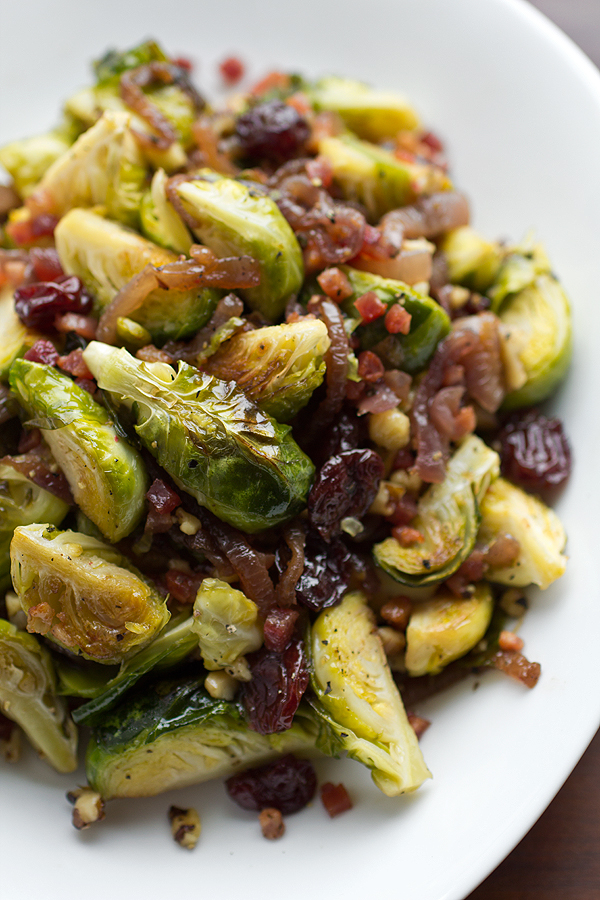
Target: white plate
[[520, 109]]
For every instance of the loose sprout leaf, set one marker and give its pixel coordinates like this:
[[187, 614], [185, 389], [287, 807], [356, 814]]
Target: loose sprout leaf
[[472, 261], [159, 220], [226, 624], [215, 443], [371, 114], [27, 160]]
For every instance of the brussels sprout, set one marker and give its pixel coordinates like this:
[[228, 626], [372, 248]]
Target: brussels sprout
[[445, 628], [519, 270], [226, 623], [109, 68], [81, 678], [105, 255], [540, 317], [215, 443], [371, 114], [22, 503], [506, 509], [448, 519], [28, 697], [159, 221], [472, 261], [429, 322], [27, 160], [84, 594], [104, 166], [173, 734], [16, 338], [376, 178], [106, 474], [234, 220], [358, 698], [277, 367]]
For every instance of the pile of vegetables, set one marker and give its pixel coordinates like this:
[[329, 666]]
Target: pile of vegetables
[[271, 451]]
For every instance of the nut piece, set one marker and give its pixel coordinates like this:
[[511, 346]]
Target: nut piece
[[272, 824], [221, 685], [185, 826], [88, 807], [390, 429]]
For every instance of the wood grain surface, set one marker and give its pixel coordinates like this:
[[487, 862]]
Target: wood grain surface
[[560, 857]]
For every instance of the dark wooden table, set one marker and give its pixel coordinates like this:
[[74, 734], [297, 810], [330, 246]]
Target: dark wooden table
[[560, 857]]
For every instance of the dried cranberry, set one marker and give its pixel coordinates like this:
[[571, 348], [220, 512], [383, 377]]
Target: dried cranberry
[[345, 486], [43, 352], [232, 69], [46, 264], [370, 367], [38, 304], [279, 628], [278, 683], [328, 569], [287, 785], [272, 130], [535, 452], [343, 434], [162, 497], [370, 307], [181, 586]]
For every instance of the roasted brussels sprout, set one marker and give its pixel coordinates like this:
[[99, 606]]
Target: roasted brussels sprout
[[429, 322], [506, 509], [519, 270], [104, 166], [16, 338], [277, 367], [215, 443], [173, 734], [376, 178], [27, 160], [358, 699], [106, 474], [159, 221], [109, 68], [22, 503], [472, 261], [226, 623], [105, 255], [28, 697], [448, 519], [83, 594], [445, 628], [234, 220], [371, 114]]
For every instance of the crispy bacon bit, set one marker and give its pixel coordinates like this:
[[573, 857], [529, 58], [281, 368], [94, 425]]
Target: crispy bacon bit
[[396, 612], [500, 553], [271, 823], [272, 81], [335, 799], [513, 663], [35, 228], [162, 497], [508, 640], [370, 307], [74, 364], [419, 724], [279, 628], [232, 70], [405, 509], [407, 537], [182, 586], [43, 352], [45, 263], [84, 326], [335, 284], [370, 367], [397, 320]]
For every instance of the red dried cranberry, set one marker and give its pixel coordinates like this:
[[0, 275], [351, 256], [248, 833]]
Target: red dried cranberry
[[46, 264], [279, 628], [181, 586], [43, 352], [345, 486], [231, 69], [38, 304], [162, 498], [328, 569], [535, 452], [274, 131], [287, 785], [278, 683], [370, 367]]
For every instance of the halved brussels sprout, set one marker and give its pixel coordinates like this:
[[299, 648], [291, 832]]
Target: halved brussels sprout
[[226, 623], [215, 443], [472, 261], [520, 268], [234, 220], [16, 338], [376, 178], [358, 698], [448, 519], [158, 219], [83, 594], [27, 160], [173, 734], [22, 503], [104, 166], [277, 367], [106, 255], [445, 628], [429, 322], [506, 509], [106, 474], [371, 114], [28, 697]]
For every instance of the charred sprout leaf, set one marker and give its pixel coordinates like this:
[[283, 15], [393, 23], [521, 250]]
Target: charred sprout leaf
[[472, 261], [106, 474], [173, 734], [448, 518], [377, 179], [371, 114], [429, 322], [28, 697], [358, 699], [445, 628], [277, 367], [16, 338], [506, 509], [235, 220], [22, 503], [84, 594], [226, 624], [106, 256], [215, 443], [159, 220], [104, 166], [27, 160]]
